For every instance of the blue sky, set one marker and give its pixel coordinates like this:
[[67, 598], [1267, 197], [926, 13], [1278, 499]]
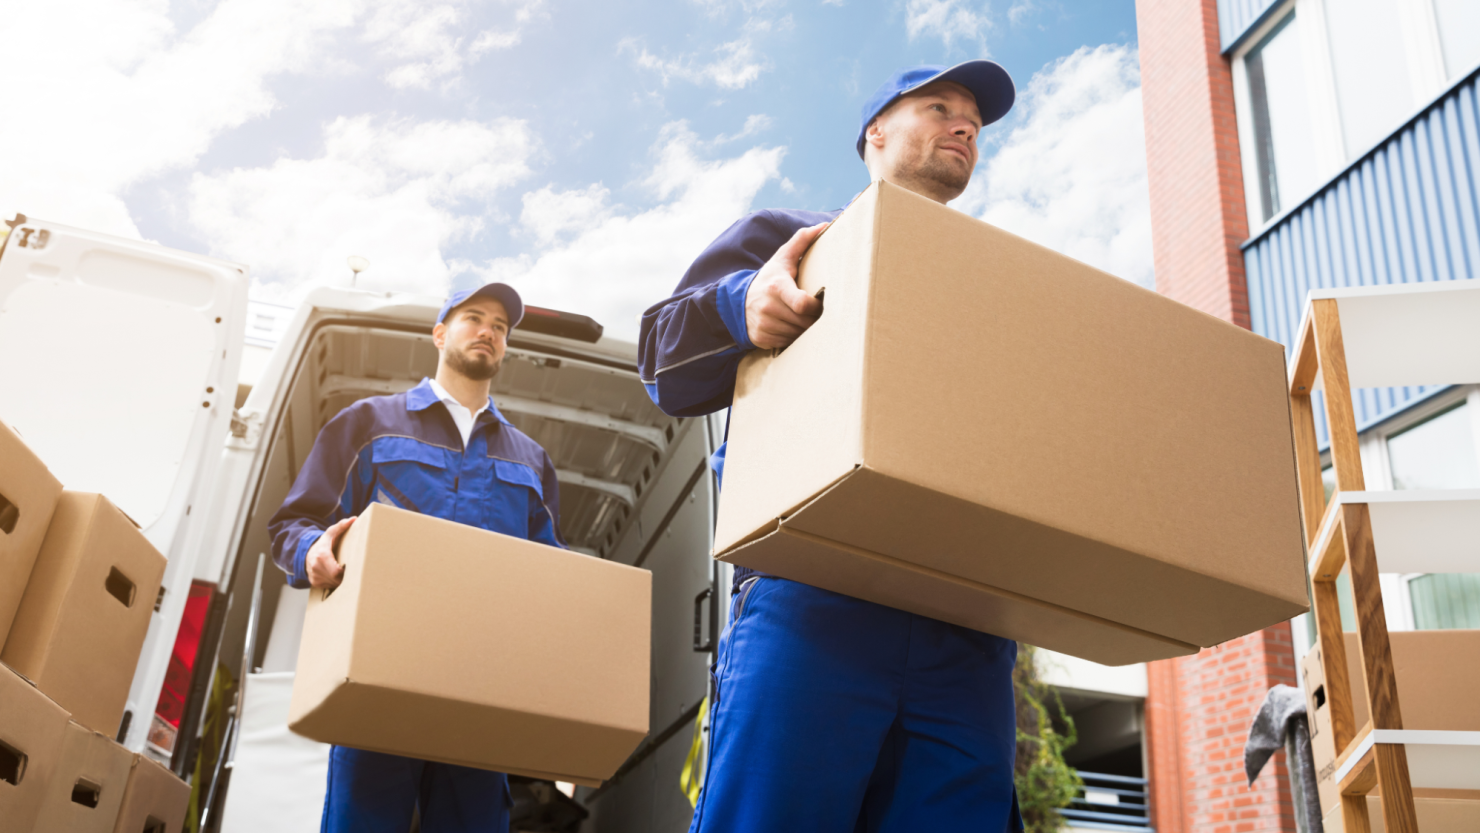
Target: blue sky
[[584, 151]]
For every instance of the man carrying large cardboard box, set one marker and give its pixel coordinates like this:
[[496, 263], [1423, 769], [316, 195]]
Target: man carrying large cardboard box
[[441, 449], [832, 713]]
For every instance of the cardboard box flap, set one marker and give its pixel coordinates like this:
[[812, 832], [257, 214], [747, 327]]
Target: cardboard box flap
[[982, 545], [879, 578]]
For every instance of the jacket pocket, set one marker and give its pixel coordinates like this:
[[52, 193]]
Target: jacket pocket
[[516, 493]]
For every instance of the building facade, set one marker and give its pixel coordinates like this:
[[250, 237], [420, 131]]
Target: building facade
[[1291, 145]]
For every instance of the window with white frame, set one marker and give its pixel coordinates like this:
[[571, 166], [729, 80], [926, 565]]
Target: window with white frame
[[1281, 117], [1321, 82]]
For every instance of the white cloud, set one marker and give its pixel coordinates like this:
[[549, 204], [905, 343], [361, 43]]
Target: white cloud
[[548, 214], [734, 66], [754, 125], [126, 97], [624, 262], [950, 20], [1072, 174], [388, 191], [1019, 11], [426, 42]]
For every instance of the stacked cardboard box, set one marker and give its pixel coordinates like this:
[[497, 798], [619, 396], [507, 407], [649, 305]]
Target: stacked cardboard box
[[28, 496], [1436, 691], [524, 659], [86, 610], [77, 587], [983, 431], [32, 728]]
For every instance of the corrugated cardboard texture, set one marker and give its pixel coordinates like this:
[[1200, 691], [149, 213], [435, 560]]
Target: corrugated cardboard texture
[[450, 643], [1437, 679], [1435, 815], [154, 800], [85, 614], [1069, 436], [28, 494], [31, 732], [86, 790]]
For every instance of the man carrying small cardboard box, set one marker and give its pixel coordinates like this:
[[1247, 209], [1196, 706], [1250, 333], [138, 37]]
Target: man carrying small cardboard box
[[832, 714], [441, 449]]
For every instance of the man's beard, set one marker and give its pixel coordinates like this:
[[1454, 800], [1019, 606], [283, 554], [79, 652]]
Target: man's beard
[[937, 170], [477, 368]]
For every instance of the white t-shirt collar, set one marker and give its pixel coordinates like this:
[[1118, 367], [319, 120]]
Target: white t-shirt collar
[[464, 418]]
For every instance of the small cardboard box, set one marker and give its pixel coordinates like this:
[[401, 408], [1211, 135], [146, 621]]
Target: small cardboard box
[[154, 800], [449, 643], [86, 611], [1437, 680], [86, 790], [983, 431], [28, 494], [32, 727]]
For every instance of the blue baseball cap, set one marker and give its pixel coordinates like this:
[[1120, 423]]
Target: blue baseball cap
[[501, 292], [986, 80]]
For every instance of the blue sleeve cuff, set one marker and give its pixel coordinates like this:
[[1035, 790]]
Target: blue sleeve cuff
[[730, 298], [300, 559]]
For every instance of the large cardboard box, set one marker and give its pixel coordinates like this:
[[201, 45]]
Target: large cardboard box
[[1435, 815], [86, 790], [28, 494], [1437, 675], [981, 430], [86, 611], [31, 732], [154, 800], [449, 643]]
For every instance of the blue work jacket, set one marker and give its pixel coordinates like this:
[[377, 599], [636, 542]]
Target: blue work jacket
[[690, 345], [405, 450]]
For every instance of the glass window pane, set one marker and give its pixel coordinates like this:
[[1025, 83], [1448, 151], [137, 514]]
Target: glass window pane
[[1445, 600], [1283, 147], [1436, 454], [1459, 32], [1328, 480], [1373, 89]]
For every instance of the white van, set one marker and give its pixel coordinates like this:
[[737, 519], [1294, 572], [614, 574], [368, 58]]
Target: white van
[[121, 365]]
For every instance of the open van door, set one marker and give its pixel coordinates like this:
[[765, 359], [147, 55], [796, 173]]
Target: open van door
[[118, 365]]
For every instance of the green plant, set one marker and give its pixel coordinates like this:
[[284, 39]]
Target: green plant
[[1044, 781]]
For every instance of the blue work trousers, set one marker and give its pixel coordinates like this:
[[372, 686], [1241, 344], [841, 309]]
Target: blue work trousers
[[371, 792], [836, 715]]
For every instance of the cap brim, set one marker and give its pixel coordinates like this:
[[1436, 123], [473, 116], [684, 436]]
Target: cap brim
[[988, 82], [504, 294]]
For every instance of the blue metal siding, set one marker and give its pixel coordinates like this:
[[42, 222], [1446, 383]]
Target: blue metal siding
[[1237, 17], [1408, 211]]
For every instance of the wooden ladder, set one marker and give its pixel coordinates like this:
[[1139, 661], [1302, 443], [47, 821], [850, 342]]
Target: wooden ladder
[[1344, 532]]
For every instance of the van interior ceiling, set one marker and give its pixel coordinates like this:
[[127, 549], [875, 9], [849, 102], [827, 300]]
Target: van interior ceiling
[[583, 403]]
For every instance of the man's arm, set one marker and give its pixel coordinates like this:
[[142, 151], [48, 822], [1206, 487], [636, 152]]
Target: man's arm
[[544, 518], [322, 504], [739, 294]]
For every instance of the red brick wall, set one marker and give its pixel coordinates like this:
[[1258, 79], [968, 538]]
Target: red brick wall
[[1199, 708], [1198, 217]]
